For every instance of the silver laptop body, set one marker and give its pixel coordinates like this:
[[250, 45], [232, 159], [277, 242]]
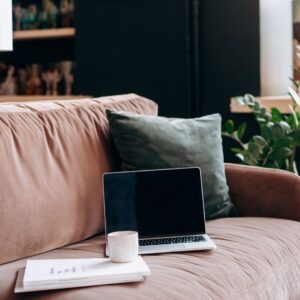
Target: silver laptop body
[[165, 206]]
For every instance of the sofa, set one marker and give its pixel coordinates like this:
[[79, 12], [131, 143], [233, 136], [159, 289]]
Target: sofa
[[52, 157]]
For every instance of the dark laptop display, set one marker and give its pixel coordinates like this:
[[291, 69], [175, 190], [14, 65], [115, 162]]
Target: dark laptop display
[[155, 203]]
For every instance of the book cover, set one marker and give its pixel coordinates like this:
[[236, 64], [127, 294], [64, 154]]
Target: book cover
[[19, 288], [62, 271]]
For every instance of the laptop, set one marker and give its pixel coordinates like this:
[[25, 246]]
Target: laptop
[[165, 207]]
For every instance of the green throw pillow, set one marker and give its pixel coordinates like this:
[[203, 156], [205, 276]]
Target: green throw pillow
[[150, 142]]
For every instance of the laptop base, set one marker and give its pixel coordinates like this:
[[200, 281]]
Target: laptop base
[[208, 244]]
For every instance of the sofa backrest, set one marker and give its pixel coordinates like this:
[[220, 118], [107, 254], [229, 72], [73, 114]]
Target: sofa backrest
[[52, 156]]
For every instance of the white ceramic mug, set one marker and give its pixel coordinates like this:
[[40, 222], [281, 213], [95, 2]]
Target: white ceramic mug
[[123, 246]]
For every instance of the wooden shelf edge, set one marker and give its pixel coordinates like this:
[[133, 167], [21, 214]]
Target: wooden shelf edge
[[25, 98], [57, 33], [280, 102]]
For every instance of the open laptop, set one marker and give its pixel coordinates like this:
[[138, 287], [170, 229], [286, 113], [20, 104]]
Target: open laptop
[[165, 207]]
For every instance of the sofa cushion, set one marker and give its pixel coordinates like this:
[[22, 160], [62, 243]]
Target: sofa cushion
[[52, 155], [256, 258], [150, 142]]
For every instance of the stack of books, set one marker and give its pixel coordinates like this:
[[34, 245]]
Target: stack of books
[[53, 274]]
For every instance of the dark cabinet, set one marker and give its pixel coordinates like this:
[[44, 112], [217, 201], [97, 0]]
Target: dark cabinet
[[138, 46], [190, 56], [229, 52]]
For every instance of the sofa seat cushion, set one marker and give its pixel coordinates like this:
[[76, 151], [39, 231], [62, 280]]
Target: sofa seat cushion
[[256, 258]]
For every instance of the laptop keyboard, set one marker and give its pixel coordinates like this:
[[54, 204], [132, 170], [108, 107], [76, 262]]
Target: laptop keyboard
[[172, 240]]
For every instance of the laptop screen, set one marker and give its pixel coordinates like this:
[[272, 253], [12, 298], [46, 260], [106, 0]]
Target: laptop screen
[[155, 203]]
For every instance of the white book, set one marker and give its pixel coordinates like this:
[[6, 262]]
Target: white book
[[67, 273]]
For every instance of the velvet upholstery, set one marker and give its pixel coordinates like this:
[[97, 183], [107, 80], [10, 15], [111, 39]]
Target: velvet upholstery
[[52, 156], [264, 192], [255, 259], [152, 142]]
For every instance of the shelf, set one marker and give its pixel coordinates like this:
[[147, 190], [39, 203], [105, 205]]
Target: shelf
[[20, 98], [40, 34], [280, 102]]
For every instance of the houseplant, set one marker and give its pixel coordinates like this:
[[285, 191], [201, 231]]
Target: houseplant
[[278, 140]]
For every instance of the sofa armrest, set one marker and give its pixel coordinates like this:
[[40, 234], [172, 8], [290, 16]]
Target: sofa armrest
[[264, 192]]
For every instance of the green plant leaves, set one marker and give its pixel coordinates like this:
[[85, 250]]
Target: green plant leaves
[[294, 120], [241, 130], [295, 135], [281, 154], [279, 136], [284, 142], [229, 126], [237, 150], [253, 152], [276, 115], [260, 141], [236, 135], [266, 132], [278, 130], [295, 97], [240, 156]]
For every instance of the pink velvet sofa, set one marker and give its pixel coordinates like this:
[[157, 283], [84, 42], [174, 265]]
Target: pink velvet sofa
[[52, 155]]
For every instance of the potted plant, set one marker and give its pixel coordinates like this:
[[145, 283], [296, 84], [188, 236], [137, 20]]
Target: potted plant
[[279, 136]]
